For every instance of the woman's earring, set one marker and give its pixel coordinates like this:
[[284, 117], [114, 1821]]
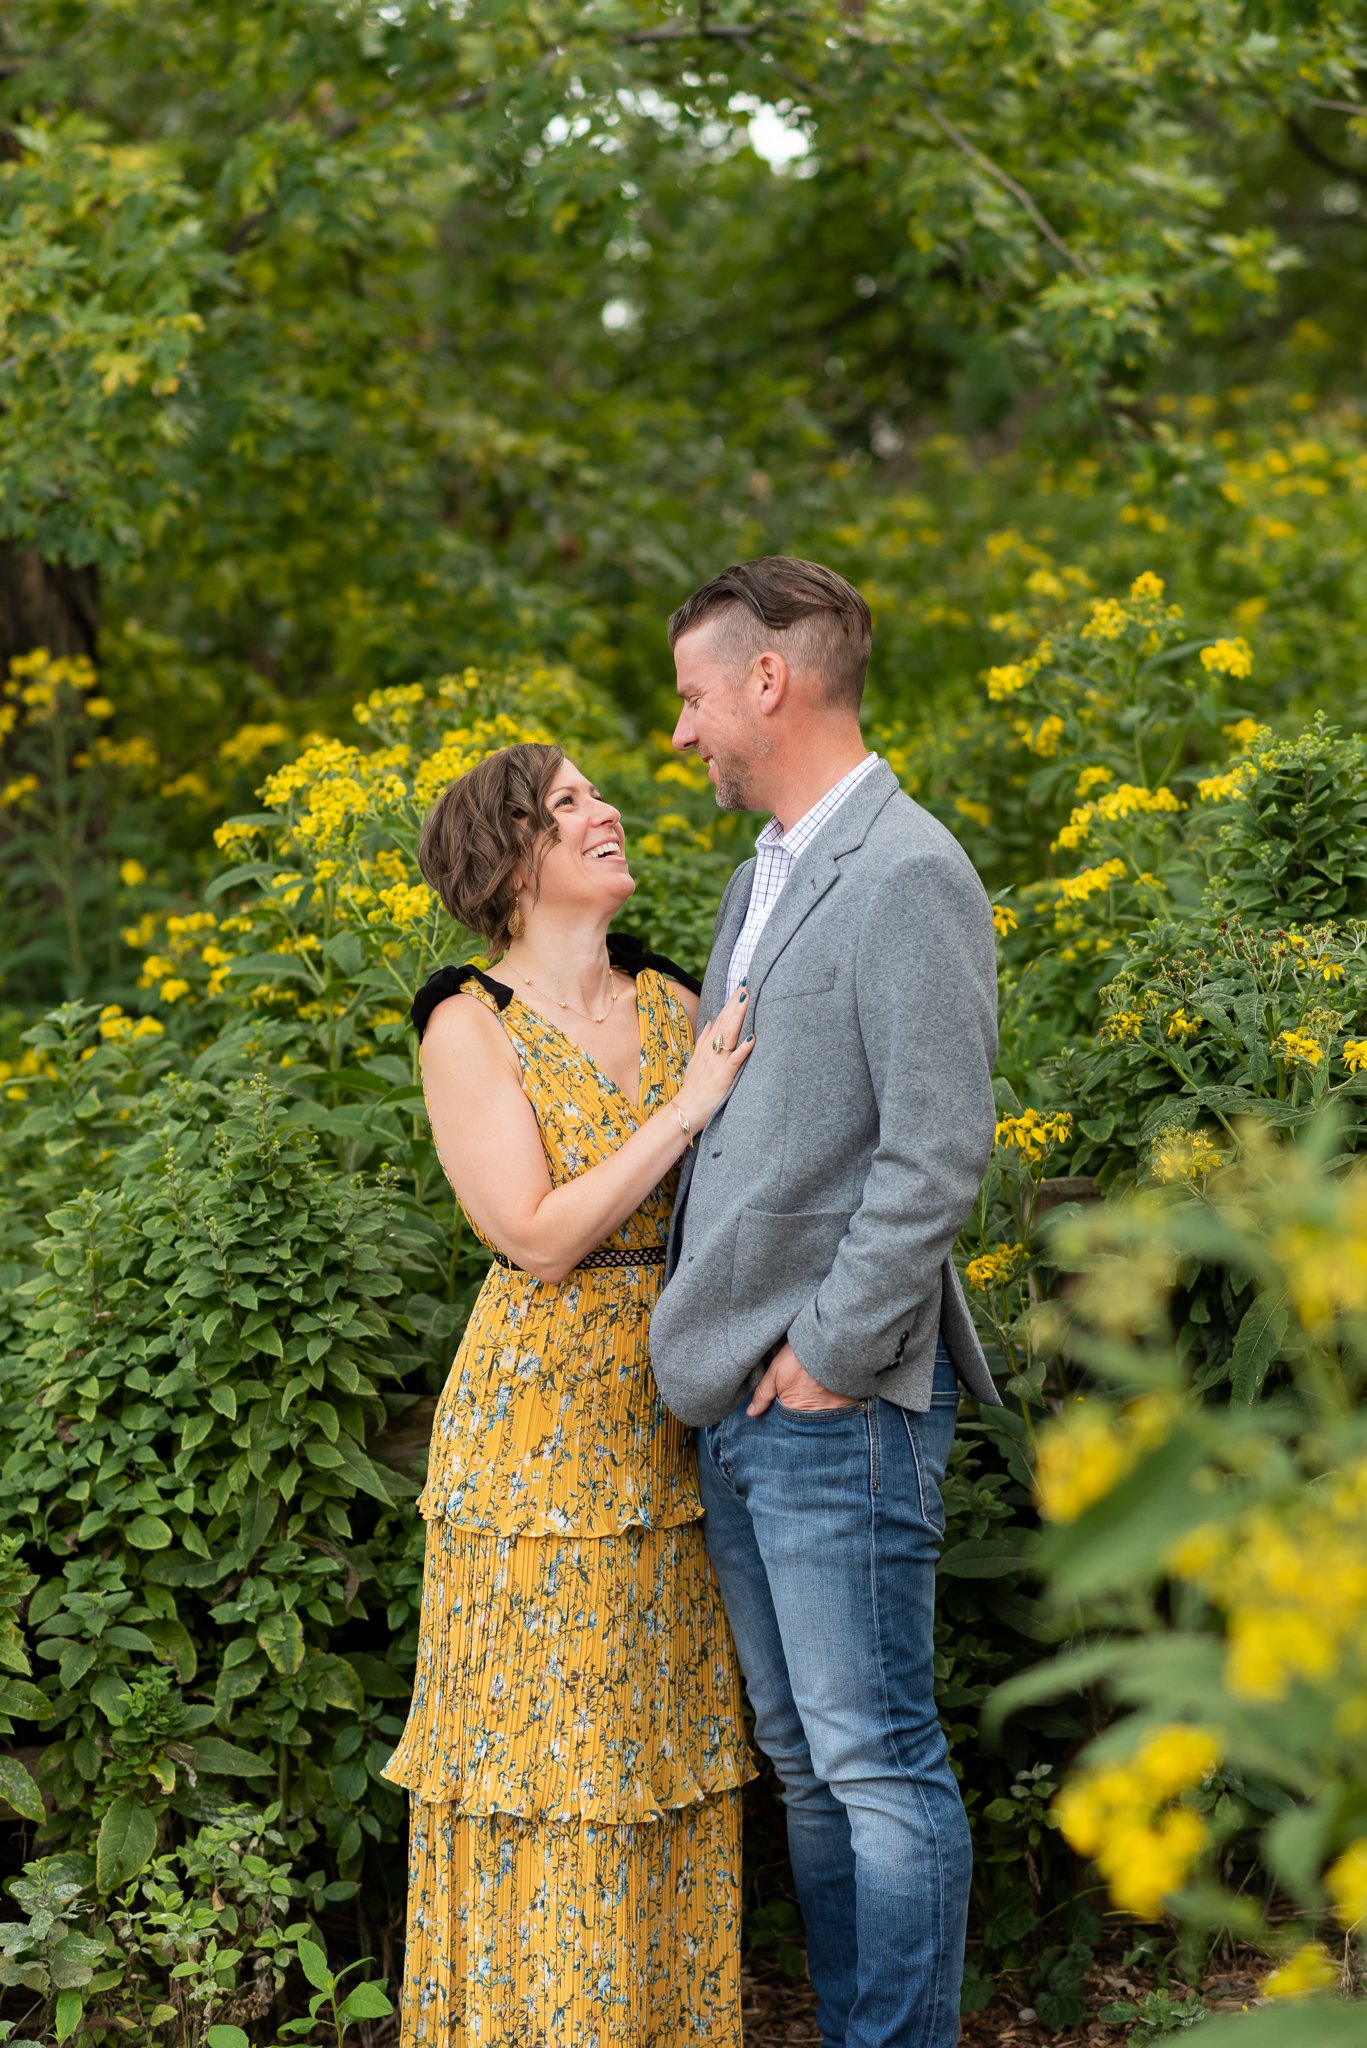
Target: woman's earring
[[517, 923]]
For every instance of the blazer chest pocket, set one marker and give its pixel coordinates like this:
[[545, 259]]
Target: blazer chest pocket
[[808, 982]]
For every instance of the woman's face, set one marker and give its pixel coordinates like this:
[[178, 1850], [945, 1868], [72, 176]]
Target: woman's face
[[586, 866]]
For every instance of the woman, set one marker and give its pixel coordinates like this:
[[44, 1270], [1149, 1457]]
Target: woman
[[574, 1750]]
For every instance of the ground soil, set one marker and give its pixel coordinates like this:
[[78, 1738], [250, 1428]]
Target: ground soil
[[779, 2013]]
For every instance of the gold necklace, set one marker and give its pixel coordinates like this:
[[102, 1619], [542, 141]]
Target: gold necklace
[[586, 1014]]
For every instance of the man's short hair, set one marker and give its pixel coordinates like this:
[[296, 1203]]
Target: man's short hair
[[801, 610]]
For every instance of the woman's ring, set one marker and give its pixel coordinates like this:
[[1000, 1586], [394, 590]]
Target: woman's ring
[[716, 1045]]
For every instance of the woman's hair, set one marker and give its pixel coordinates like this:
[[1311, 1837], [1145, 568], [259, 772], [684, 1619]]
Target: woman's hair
[[481, 831]]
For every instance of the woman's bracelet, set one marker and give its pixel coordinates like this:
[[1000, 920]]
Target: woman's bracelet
[[684, 1125]]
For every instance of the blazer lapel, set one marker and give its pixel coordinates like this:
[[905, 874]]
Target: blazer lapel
[[713, 998], [817, 869], [710, 1003]]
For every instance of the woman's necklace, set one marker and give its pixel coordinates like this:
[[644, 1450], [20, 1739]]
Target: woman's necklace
[[585, 1014]]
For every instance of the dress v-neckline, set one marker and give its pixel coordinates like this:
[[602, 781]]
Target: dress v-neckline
[[633, 1104]]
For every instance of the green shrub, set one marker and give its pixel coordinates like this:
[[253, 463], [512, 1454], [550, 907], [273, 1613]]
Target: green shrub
[[185, 1457]]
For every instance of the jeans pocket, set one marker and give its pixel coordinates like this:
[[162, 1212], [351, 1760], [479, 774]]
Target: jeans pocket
[[820, 1414], [929, 1470]]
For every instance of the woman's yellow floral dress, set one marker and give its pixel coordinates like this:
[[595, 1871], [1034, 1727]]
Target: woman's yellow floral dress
[[575, 1748]]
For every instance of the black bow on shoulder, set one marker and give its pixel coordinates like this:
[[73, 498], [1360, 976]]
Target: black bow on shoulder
[[625, 950]]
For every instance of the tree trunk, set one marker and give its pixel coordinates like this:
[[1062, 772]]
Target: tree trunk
[[45, 604]]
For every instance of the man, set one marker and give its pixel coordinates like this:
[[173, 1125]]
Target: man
[[812, 1325]]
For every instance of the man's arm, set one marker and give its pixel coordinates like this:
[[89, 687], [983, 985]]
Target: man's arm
[[925, 982]]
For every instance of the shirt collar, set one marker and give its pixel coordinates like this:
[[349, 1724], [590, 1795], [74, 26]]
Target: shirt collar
[[796, 837]]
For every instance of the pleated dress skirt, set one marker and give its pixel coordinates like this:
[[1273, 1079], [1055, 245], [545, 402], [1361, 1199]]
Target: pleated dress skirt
[[575, 1750]]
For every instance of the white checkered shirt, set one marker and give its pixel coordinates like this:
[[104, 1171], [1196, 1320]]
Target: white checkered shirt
[[776, 855]]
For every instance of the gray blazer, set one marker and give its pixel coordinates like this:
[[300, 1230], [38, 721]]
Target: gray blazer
[[822, 1201]]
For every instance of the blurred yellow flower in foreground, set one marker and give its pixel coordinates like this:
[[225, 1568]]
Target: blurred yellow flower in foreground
[[1121, 1816], [1091, 1448], [1309, 1970]]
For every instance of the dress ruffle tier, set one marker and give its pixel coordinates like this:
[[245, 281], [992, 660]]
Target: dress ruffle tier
[[574, 1751], [574, 1679]]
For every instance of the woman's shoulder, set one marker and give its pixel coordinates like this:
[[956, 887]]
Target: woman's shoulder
[[483, 993], [632, 955]]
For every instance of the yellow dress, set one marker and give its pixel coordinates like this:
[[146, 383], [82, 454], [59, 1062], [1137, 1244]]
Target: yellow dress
[[575, 1749]]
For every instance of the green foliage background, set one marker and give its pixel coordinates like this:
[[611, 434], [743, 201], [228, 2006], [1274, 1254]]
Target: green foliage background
[[376, 380]]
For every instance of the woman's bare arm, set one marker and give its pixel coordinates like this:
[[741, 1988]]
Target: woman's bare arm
[[489, 1143]]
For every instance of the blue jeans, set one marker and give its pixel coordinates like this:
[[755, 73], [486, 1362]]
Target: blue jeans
[[824, 1529]]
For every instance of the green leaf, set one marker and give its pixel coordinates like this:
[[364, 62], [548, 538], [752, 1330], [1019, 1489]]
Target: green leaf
[[75, 1660], [223, 2036], [984, 1560], [174, 1645], [19, 1790], [70, 2005], [314, 1965], [335, 1682], [1303, 2023], [218, 1758], [1261, 1336], [148, 1532], [361, 1472], [127, 1837], [110, 1694], [365, 2002], [281, 1636]]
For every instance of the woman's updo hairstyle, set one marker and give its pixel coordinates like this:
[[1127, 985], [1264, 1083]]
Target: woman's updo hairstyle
[[480, 833]]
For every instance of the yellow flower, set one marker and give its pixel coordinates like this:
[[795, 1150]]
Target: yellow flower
[[113, 1023], [1355, 1054], [1005, 921], [232, 834], [1147, 585], [1005, 681], [1118, 1816], [1089, 1450], [994, 1268], [15, 792], [1217, 789], [148, 1027], [976, 813], [99, 707], [1180, 1025], [171, 991], [1120, 1026], [191, 784], [1046, 736], [250, 741], [1309, 1970], [1090, 882], [132, 874], [651, 845], [1243, 732], [691, 774], [1177, 1758], [1095, 777], [404, 903], [1297, 1047], [1228, 657], [1346, 1883], [1183, 1155], [1108, 621], [1032, 1134]]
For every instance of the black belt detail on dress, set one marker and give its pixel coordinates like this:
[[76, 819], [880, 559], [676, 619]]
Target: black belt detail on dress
[[606, 1255]]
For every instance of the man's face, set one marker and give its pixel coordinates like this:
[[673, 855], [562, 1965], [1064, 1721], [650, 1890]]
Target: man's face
[[718, 720]]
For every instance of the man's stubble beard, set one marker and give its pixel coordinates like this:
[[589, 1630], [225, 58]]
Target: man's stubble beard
[[737, 781]]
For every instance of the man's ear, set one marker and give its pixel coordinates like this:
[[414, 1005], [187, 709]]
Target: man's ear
[[772, 676]]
